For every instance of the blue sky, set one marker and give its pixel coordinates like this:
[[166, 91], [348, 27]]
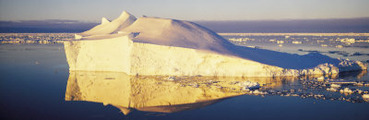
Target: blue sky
[[93, 10]]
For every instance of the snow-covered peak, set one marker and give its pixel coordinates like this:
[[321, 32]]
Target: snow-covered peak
[[104, 20], [106, 27], [125, 19], [125, 15]]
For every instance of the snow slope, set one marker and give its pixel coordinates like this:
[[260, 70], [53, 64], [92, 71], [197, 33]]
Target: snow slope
[[158, 46], [176, 33]]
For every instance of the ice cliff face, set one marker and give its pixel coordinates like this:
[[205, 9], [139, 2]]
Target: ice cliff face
[[157, 46]]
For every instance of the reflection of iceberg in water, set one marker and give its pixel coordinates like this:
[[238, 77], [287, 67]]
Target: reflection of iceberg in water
[[173, 94], [154, 94]]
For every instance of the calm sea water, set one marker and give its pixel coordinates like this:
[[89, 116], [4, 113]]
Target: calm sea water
[[35, 84]]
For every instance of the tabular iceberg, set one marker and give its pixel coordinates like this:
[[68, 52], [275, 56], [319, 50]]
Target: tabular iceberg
[[159, 46]]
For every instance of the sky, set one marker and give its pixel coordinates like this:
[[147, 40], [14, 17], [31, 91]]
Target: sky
[[210, 10]]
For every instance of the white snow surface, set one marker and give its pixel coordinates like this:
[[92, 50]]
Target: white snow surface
[[160, 46]]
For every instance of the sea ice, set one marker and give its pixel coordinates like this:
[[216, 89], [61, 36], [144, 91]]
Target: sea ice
[[366, 97], [257, 92], [346, 91], [332, 89], [296, 42], [335, 86], [248, 85]]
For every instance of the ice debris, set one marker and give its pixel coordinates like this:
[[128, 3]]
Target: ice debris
[[346, 91], [248, 85], [257, 92], [335, 86], [366, 97], [332, 89]]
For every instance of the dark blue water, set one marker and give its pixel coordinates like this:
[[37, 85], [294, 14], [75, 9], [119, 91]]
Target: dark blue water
[[33, 82]]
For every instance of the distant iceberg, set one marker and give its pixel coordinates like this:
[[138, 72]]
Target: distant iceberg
[[159, 46]]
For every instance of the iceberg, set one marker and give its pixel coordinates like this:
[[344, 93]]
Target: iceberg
[[161, 46]]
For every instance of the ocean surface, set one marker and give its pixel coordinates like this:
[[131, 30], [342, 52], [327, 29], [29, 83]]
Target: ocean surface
[[35, 84]]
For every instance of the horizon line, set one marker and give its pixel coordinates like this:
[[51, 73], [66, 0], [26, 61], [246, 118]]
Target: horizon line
[[97, 21]]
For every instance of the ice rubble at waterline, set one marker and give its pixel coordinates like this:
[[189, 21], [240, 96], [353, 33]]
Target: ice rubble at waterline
[[160, 46]]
